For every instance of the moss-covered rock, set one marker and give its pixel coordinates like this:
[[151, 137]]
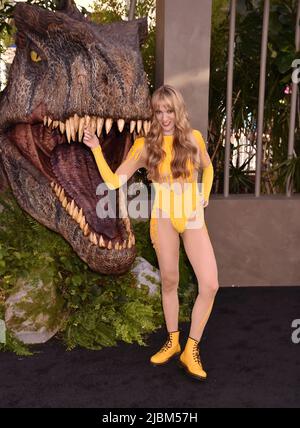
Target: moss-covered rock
[[146, 274], [34, 311]]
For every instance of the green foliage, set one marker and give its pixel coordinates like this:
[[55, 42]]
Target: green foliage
[[115, 311], [12, 344], [99, 309], [288, 168], [239, 178], [6, 29], [106, 11]]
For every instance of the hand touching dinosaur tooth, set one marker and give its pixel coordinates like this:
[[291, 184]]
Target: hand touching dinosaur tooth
[[90, 139]]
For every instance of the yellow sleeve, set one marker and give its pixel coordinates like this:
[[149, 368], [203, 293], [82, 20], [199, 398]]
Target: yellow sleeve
[[136, 150], [208, 172], [133, 161]]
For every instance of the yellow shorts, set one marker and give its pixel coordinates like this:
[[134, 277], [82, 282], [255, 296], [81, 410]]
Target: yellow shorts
[[184, 208]]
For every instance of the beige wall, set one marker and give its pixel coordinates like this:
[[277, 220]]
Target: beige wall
[[183, 35], [256, 241]]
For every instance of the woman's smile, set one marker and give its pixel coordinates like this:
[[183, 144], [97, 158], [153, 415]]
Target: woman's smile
[[166, 118]]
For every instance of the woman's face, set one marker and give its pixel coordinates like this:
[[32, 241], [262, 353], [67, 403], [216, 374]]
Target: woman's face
[[166, 118]]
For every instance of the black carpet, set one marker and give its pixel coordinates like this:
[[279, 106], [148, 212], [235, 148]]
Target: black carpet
[[247, 351]]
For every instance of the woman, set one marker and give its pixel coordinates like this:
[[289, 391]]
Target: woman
[[173, 151]]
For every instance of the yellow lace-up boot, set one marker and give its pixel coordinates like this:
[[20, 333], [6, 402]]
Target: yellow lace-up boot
[[169, 350], [190, 360]]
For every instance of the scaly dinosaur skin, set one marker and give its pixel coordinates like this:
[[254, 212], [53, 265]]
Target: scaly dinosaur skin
[[68, 72]]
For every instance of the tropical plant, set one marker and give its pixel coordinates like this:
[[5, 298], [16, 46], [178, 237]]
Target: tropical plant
[[100, 309], [281, 53]]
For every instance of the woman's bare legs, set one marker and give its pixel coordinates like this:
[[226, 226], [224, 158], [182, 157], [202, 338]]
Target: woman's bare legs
[[200, 253], [166, 243], [201, 256]]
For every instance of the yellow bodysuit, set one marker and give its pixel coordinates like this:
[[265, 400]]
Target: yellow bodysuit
[[179, 200]]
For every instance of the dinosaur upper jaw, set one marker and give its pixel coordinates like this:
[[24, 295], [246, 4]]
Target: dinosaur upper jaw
[[54, 148]]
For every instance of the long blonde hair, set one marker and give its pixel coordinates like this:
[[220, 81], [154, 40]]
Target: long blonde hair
[[184, 147]]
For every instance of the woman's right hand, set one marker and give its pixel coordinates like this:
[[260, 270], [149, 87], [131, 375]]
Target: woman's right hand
[[90, 139]]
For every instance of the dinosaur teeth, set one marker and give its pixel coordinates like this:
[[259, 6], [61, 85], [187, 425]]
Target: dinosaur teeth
[[61, 195], [71, 208], [93, 124], [65, 202], [80, 128], [62, 127], [80, 216], [132, 126], [121, 123], [68, 130], [86, 230], [82, 223], [74, 125], [100, 122], [93, 238], [129, 242], [76, 122], [56, 188], [139, 126], [77, 214], [72, 128], [147, 125], [87, 120], [101, 242], [108, 125]]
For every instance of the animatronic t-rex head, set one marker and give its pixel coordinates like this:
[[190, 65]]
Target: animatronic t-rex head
[[69, 72]]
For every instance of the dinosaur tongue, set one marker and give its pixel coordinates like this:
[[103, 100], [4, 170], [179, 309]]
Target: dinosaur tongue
[[76, 171]]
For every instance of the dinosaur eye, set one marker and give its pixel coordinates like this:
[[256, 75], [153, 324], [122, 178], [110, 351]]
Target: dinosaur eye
[[35, 56]]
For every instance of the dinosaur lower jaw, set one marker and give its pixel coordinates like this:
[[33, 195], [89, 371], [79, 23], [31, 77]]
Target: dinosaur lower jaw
[[76, 189], [73, 177], [95, 238]]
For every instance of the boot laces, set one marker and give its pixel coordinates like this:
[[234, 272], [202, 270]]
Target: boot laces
[[196, 354], [167, 345]]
